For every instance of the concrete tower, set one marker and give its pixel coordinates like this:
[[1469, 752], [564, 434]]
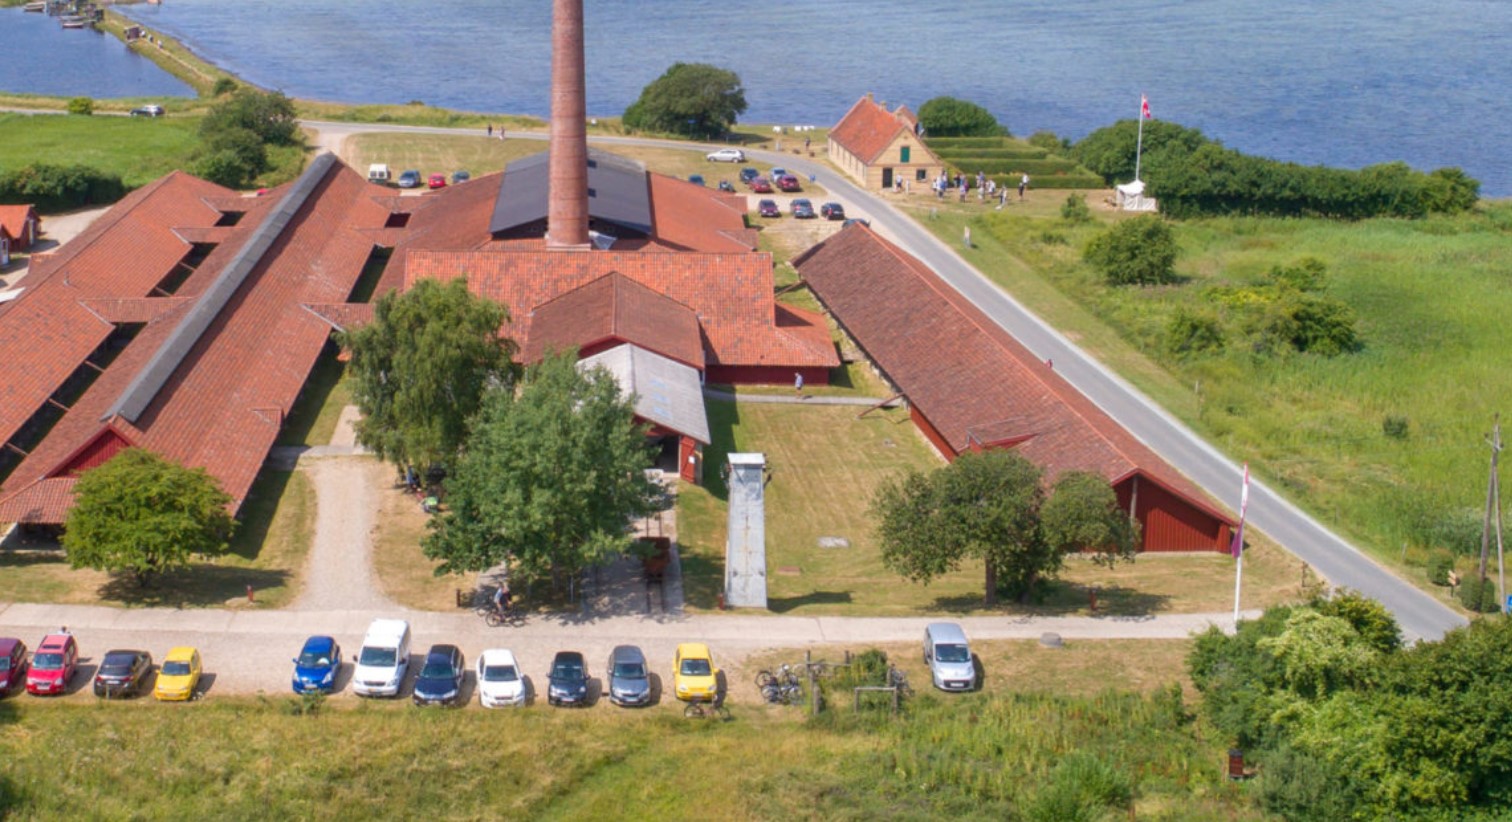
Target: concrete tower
[[567, 213]]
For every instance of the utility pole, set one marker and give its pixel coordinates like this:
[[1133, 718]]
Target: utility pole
[[1493, 506]]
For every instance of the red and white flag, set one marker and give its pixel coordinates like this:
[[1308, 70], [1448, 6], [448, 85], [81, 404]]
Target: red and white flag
[[1238, 546], [1144, 106]]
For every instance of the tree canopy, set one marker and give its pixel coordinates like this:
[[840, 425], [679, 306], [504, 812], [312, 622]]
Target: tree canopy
[[420, 370], [951, 117], [1141, 251], [691, 99], [237, 130], [992, 506], [142, 514], [550, 480]]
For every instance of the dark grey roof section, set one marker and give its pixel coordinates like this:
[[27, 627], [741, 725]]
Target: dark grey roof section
[[618, 192], [153, 376]]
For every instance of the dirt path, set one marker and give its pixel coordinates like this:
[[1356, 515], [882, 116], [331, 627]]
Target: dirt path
[[338, 575]]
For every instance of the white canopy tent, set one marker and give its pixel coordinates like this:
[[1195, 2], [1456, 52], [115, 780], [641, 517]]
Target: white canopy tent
[[1131, 197]]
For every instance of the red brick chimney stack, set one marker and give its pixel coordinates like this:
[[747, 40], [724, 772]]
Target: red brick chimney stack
[[567, 214]]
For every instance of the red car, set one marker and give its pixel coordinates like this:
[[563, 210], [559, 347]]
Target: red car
[[12, 664], [788, 182], [438, 181], [761, 185], [53, 665], [768, 208]]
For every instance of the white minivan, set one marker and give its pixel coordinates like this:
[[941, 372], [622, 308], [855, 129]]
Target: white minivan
[[384, 659], [949, 657], [378, 173]]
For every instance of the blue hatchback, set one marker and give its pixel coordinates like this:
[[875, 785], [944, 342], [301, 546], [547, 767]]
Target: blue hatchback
[[317, 665]]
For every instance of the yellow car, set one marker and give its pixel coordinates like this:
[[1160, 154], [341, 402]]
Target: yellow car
[[694, 674], [179, 675]]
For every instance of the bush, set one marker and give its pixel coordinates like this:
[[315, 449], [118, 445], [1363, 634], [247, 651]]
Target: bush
[[1479, 595], [950, 117], [1323, 325], [1395, 427], [249, 149], [1192, 333], [1306, 274], [223, 86], [1075, 209], [1440, 563], [60, 188], [1081, 787], [1302, 788], [225, 168], [1049, 142], [1141, 251], [81, 105], [268, 114]]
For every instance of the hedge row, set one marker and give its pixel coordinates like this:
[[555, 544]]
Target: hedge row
[[60, 188], [992, 153], [969, 142], [1031, 167]]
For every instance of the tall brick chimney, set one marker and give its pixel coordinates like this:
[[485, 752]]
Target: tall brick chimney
[[567, 213]]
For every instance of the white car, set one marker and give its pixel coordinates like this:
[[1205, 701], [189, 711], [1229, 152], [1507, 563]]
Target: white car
[[149, 110], [726, 155], [499, 680]]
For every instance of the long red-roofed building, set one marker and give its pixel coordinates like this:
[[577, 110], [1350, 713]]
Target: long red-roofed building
[[971, 386]]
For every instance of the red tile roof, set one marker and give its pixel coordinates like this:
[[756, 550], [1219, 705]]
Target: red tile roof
[[974, 382], [615, 307], [731, 294], [13, 219], [869, 128], [222, 406]]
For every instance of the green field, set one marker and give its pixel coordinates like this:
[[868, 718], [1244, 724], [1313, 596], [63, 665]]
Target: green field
[[140, 149], [1430, 296], [975, 756]]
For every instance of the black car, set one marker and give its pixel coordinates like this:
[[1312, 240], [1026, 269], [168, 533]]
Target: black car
[[748, 174], [122, 673], [803, 209], [440, 680], [832, 211], [568, 680], [726, 185]]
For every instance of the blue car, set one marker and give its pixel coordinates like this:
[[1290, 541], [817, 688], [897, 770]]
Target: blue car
[[317, 665]]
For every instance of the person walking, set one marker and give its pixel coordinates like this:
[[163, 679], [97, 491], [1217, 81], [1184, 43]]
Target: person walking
[[798, 383], [1023, 184], [490, 129]]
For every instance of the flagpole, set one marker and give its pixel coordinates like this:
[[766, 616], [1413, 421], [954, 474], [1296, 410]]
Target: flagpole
[[1238, 546], [1139, 144]]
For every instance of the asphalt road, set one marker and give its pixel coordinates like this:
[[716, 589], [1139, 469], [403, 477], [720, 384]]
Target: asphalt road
[[1420, 615]]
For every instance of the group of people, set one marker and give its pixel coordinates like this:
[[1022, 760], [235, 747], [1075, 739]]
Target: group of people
[[495, 130], [986, 187]]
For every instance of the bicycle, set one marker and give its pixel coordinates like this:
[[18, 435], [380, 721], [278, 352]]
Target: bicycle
[[707, 710], [494, 616], [783, 687]]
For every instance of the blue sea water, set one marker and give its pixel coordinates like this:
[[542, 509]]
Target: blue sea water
[[39, 56], [1323, 81]]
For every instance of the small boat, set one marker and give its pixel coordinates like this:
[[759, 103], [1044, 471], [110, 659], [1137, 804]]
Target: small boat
[[39, 5], [74, 22]]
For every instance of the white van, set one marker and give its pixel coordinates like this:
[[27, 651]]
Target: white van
[[384, 659], [378, 173], [949, 657]]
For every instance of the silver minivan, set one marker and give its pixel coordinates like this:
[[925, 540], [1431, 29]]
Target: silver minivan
[[949, 657]]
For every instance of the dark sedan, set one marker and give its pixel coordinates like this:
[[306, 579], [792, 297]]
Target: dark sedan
[[568, 680], [748, 174], [768, 208], [440, 680], [832, 211], [123, 673], [803, 209]]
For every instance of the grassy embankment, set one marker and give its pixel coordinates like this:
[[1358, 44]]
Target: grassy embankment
[[1429, 296], [1020, 754]]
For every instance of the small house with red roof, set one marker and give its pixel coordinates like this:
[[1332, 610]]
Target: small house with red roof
[[881, 148], [971, 386], [19, 229]]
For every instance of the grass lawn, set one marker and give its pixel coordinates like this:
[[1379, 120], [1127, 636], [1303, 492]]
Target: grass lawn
[[313, 418], [403, 572], [1430, 303], [268, 551], [825, 467], [140, 149]]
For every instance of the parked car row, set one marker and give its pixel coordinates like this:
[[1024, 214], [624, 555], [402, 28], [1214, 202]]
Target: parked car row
[[52, 667], [778, 178], [803, 209], [379, 173]]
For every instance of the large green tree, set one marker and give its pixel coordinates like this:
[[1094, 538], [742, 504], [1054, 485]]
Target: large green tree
[[420, 369], [992, 506], [952, 117], [1141, 251], [268, 114], [550, 480], [691, 99], [141, 514]]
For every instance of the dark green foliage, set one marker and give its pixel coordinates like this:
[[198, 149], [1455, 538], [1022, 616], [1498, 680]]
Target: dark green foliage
[[420, 369], [1440, 563], [141, 514], [1193, 176], [1049, 142], [1192, 333], [80, 105], [232, 157], [1479, 595], [1302, 788], [1370, 619], [268, 114], [1432, 524], [1140, 251], [950, 117], [1286, 314], [1075, 210], [1082, 514], [1395, 427], [224, 85], [550, 479], [1306, 274], [691, 99], [225, 168], [60, 188], [1081, 788]]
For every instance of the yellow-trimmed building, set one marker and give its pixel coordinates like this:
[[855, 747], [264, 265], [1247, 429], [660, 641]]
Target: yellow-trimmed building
[[880, 148]]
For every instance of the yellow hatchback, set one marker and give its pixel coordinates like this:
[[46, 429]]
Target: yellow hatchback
[[694, 674], [178, 676]]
